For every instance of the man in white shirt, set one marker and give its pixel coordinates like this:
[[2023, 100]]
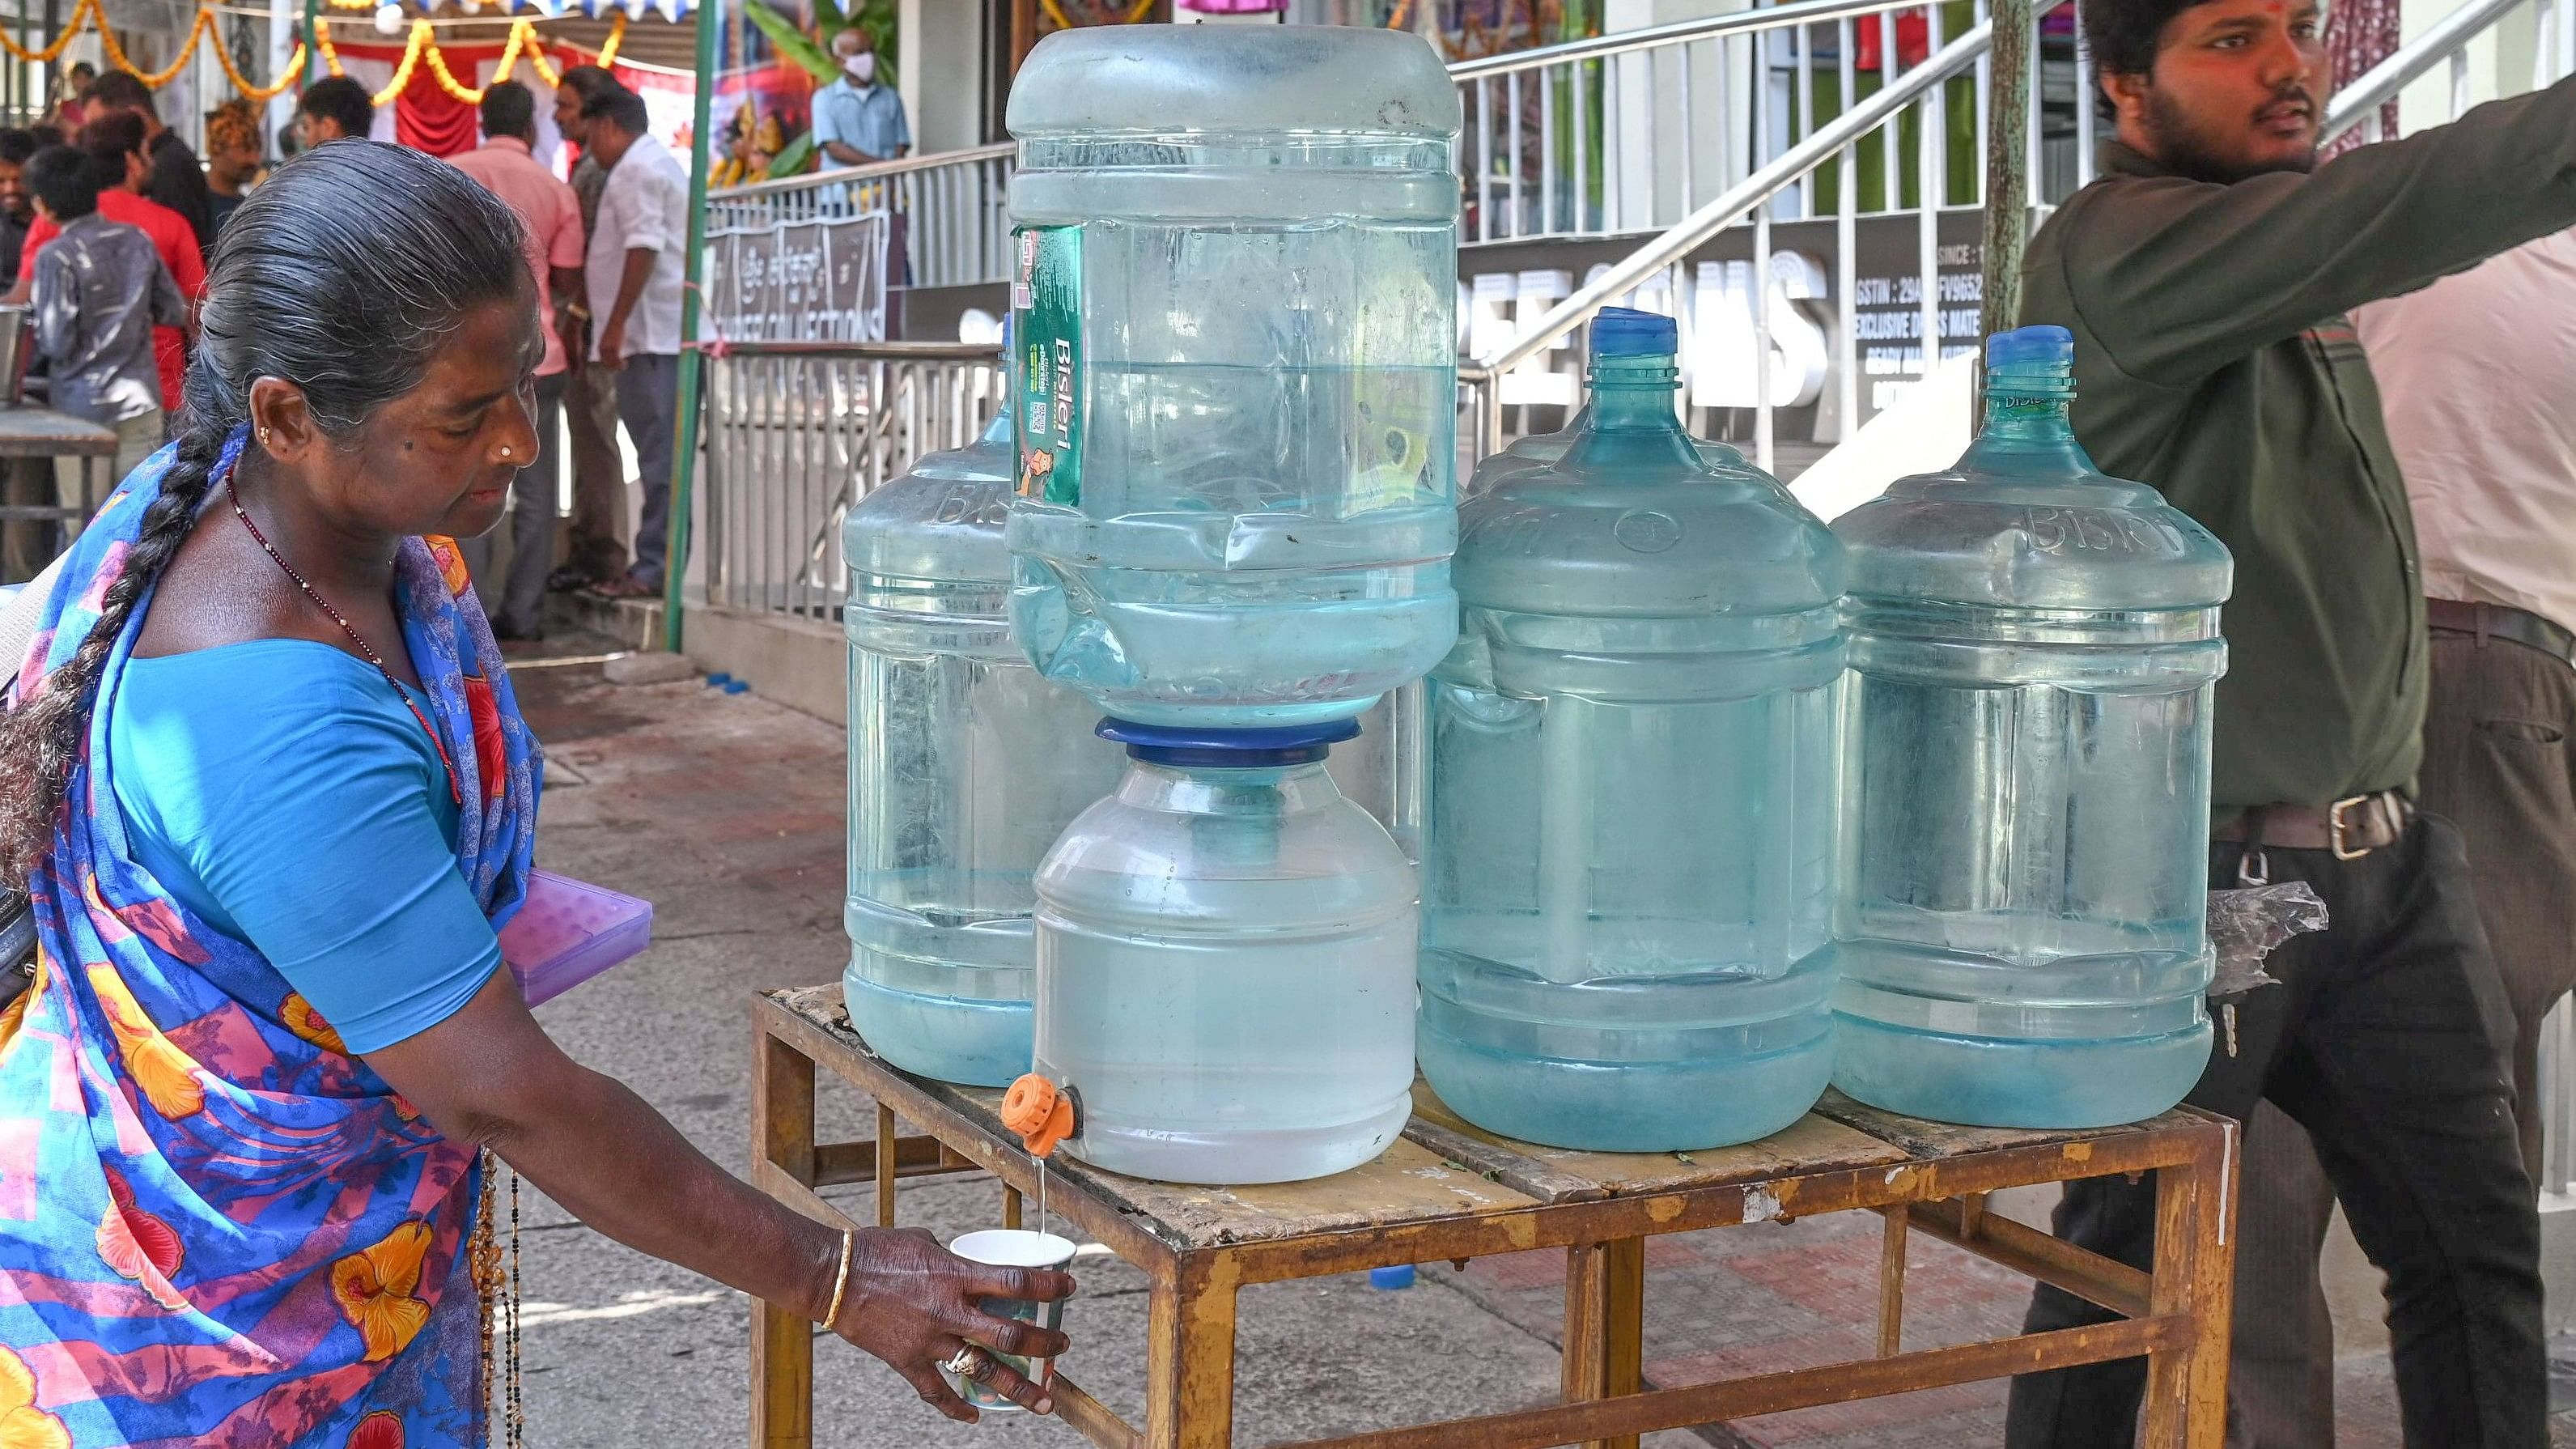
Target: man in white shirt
[[634, 276], [2477, 378]]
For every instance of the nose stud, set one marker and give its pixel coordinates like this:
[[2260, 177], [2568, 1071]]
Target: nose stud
[[505, 450]]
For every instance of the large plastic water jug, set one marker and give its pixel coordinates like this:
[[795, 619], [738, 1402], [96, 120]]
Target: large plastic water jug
[[1225, 963], [964, 767], [1628, 861], [2026, 828], [1235, 287]]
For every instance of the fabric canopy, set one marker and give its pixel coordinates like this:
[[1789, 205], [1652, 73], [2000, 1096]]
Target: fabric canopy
[[425, 117]]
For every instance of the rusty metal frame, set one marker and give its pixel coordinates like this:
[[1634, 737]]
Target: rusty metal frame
[[2177, 1315]]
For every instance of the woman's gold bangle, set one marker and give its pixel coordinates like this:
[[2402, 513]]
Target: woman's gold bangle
[[841, 1280]]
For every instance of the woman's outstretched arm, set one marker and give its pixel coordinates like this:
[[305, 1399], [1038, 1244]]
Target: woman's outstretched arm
[[489, 1075]]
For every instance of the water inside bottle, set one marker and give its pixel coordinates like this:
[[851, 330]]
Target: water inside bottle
[[1225, 969], [2020, 927], [1629, 835]]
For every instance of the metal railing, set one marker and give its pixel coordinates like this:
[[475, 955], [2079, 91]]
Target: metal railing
[[798, 431], [808, 428], [821, 425], [956, 229], [1629, 132], [1656, 263], [2362, 104], [1558, 141]]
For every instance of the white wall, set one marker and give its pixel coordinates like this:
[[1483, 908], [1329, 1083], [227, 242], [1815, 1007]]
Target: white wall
[[2500, 63], [1647, 117], [941, 56]]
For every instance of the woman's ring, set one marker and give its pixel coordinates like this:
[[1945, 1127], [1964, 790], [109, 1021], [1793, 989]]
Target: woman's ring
[[966, 1363]]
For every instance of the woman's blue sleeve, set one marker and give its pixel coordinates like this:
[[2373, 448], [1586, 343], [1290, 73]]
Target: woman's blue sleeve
[[329, 855]]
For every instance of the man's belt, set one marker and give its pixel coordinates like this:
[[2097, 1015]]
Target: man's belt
[[2495, 621], [2350, 828]]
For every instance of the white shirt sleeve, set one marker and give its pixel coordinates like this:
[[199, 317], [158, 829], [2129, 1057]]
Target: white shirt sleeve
[[655, 192]]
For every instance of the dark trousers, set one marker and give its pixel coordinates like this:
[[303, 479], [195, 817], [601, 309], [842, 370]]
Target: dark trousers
[[2386, 1040], [597, 547], [2500, 763], [648, 402], [517, 602]]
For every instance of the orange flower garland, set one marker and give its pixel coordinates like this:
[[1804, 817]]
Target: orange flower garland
[[524, 44]]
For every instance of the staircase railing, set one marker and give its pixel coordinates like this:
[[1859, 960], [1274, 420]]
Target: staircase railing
[[1628, 132], [1619, 134], [824, 424], [2446, 43], [1837, 141]]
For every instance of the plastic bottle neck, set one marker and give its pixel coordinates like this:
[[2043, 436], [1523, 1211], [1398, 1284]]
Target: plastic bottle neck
[[998, 431], [1279, 789], [2027, 429], [1629, 418]]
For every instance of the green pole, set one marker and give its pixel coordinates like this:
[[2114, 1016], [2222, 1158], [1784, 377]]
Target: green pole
[[685, 466], [313, 42]]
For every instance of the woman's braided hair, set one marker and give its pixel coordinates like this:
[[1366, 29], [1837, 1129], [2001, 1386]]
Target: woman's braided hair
[[342, 275]]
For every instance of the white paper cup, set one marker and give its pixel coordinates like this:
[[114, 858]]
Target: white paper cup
[[1012, 1248]]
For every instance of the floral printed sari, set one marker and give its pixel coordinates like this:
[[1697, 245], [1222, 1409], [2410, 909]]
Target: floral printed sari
[[217, 1228]]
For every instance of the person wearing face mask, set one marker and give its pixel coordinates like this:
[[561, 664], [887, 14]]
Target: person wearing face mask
[[856, 121]]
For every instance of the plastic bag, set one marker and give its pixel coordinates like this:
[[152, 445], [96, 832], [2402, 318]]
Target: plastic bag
[[2247, 925]]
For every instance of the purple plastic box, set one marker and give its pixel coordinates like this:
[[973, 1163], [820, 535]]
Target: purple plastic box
[[570, 931]]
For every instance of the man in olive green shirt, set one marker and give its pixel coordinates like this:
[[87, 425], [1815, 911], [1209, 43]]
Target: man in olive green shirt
[[2205, 276]]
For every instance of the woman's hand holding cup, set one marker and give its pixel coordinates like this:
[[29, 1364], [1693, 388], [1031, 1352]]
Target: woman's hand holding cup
[[920, 1307]]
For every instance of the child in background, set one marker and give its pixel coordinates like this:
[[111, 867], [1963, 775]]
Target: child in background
[[99, 287]]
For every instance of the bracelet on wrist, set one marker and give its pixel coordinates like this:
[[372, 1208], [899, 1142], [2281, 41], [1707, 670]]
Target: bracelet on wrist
[[840, 1279]]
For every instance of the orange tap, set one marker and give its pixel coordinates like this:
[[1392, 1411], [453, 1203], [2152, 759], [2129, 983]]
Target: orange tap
[[1042, 1115]]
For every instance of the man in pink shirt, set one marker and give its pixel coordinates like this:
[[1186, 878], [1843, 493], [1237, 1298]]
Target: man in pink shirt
[[552, 218]]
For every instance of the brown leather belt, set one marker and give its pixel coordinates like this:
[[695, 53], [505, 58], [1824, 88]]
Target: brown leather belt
[[2350, 828], [2495, 621]]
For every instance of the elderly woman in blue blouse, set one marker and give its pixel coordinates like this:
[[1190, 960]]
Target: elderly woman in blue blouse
[[268, 789]]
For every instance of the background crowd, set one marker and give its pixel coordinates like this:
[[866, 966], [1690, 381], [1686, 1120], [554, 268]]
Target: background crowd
[[129, 216]]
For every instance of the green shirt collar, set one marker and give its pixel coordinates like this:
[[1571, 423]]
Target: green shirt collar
[[2116, 157]]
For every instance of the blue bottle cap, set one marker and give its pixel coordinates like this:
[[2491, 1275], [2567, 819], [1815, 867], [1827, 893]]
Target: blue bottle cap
[[1207, 747], [2031, 349], [2031, 362], [1627, 332], [1391, 1279]]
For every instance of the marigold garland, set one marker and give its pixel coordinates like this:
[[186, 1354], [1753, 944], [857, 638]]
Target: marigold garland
[[524, 44], [47, 56], [286, 75], [420, 40], [157, 79], [523, 41]]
